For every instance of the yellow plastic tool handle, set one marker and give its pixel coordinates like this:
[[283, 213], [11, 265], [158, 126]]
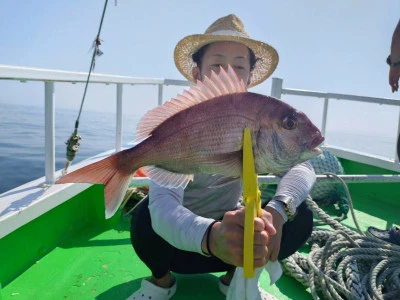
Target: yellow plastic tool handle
[[251, 195]]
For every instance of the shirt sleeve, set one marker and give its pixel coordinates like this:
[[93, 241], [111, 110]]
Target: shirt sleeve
[[296, 183], [173, 222]]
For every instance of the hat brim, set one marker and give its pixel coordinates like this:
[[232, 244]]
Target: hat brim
[[267, 56]]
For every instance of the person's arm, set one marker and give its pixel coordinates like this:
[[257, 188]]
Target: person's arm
[[188, 231], [395, 46], [394, 72], [173, 222], [296, 183]]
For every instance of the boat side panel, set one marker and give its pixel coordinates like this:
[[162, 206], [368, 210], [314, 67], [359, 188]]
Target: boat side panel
[[379, 201], [22, 248]]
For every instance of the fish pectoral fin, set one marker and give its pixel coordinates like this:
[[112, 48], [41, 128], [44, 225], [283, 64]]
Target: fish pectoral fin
[[166, 178]]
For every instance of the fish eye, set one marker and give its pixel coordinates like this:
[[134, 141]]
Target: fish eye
[[289, 123]]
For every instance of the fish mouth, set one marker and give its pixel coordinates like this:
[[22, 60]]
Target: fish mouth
[[316, 140]]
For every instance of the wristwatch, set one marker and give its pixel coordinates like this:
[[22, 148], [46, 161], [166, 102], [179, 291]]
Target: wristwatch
[[290, 205], [390, 63]]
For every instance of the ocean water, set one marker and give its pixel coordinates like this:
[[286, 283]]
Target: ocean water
[[22, 140]]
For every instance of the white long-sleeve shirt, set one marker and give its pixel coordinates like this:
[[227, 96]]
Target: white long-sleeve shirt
[[182, 216]]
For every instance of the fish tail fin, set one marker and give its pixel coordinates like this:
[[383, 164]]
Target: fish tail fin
[[107, 172]]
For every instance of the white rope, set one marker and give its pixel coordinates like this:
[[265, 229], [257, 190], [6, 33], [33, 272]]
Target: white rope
[[343, 264]]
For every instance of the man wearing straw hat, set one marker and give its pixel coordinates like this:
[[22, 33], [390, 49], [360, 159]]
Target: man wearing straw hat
[[200, 229]]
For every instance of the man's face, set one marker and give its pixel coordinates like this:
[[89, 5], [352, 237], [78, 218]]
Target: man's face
[[222, 54]]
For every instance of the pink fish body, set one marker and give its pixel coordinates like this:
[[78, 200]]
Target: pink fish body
[[201, 131]]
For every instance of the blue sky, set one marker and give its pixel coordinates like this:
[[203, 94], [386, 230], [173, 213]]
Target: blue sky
[[331, 46]]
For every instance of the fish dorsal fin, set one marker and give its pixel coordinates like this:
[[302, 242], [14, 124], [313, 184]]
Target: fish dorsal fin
[[166, 178], [226, 82]]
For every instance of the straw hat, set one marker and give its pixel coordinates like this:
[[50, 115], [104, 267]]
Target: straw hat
[[231, 29]]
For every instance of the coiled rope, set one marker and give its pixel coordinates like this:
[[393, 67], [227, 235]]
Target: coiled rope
[[344, 264]]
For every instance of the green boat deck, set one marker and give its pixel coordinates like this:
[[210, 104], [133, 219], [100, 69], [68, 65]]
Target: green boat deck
[[71, 252]]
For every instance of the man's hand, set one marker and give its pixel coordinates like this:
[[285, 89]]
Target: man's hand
[[394, 75], [226, 240]]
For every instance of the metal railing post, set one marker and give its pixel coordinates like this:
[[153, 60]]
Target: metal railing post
[[118, 134], [324, 116], [49, 124], [276, 89], [160, 93]]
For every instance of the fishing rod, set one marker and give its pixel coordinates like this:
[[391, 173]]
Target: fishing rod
[[73, 142]]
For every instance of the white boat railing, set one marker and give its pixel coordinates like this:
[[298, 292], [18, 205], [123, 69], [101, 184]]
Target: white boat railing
[[392, 164], [50, 77]]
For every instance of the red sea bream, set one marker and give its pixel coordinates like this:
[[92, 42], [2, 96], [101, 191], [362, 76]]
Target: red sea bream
[[201, 131]]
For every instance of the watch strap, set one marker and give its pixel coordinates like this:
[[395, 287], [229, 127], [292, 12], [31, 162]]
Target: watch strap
[[390, 63], [289, 205]]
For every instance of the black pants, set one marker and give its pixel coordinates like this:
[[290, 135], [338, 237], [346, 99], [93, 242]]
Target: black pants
[[161, 257]]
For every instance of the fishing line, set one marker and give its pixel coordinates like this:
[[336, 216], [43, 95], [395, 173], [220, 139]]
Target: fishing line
[[73, 141]]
